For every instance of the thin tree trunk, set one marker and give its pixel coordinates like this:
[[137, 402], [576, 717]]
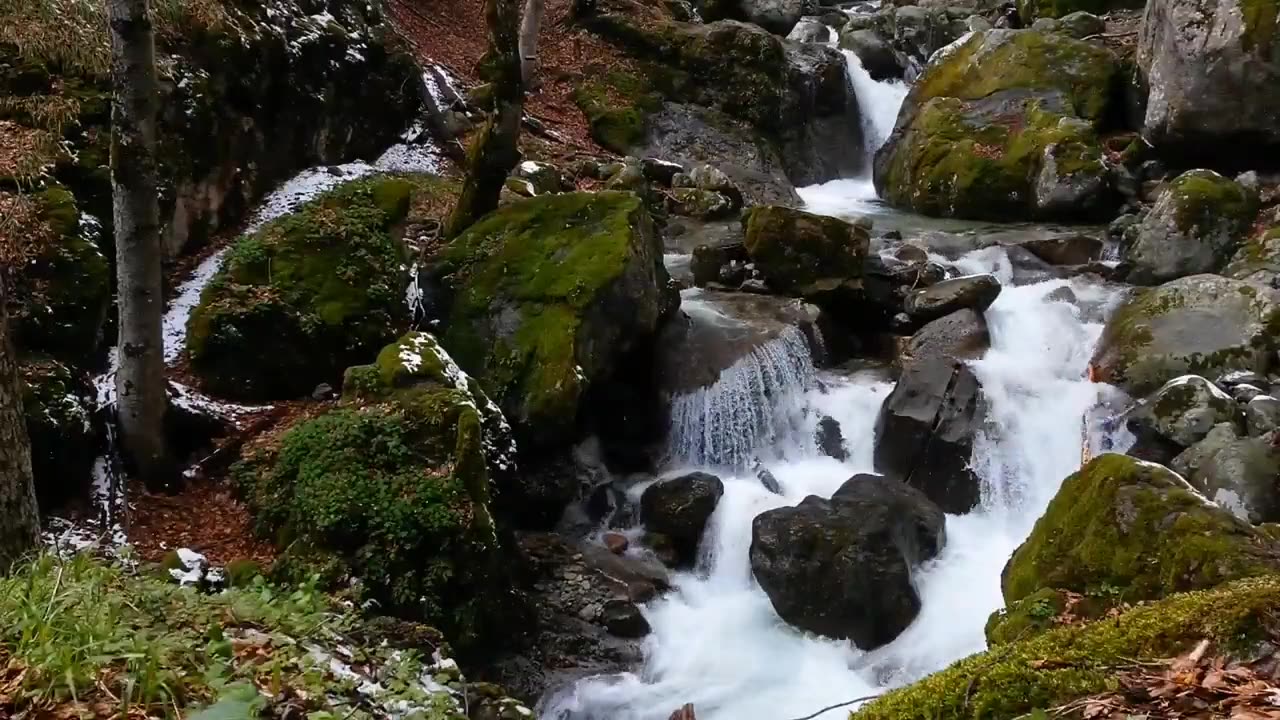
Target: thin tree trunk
[[495, 149], [530, 24], [19, 518], [140, 383]]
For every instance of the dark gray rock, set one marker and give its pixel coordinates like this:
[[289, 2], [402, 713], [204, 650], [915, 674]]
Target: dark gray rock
[[1184, 410], [830, 439], [624, 619], [842, 567], [1081, 24], [1262, 415], [680, 508], [1238, 473], [975, 292], [875, 52], [1067, 250]]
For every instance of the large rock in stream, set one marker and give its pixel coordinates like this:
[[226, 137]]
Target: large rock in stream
[[813, 256], [1239, 473], [925, 429], [1212, 68], [546, 297], [842, 567], [1201, 324], [680, 508], [1004, 125], [1197, 223]]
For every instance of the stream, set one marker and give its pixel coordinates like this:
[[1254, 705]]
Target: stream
[[716, 641]]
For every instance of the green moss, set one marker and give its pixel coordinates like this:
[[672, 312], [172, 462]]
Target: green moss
[[1205, 199], [1024, 60], [322, 288], [798, 251], [242, 572], [525, 279], [616, 105], [1259, 24], [1025, 617], [1122, 523], [1067, 663]]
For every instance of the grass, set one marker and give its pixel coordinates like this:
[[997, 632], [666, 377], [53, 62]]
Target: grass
[[80, 637], [73, 34]]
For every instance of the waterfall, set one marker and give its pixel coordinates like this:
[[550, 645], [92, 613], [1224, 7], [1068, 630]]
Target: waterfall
[[750, 408]]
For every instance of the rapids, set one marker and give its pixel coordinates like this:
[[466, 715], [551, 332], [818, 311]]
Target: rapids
[[716, 641]]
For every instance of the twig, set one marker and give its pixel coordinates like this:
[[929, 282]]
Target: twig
[[837, 705], [1112, 35]]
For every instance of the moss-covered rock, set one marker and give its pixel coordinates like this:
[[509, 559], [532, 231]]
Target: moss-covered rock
[[1051, 668], [1201, 324], [305, 296], [1028, 616], [546, 295], [805, 254], [1257, 259], [1195, 226], [1137, 528], [617, 104], [394, 486], [56, 401], [61, 297], [1003, 125]]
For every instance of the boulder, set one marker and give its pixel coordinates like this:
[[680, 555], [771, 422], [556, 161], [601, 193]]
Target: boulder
[[976, 292], [539, 178], [394, 486], [780, 17], [323, 288], [1213, 76], [924, 431], [1122, 524], [1003, 125], [1081, 24], [1184, 410], [1238, 473], [1068, 250], [1258, 259], [680, 508], [546, 297], [624, 619], [57, 404], [805, 254], [1030, 10], [922, 31], [1196, 225], [875, 53], [1262, 415], [843, 567], [700, 204], [810, 30], [1202, 324], [830, 440]]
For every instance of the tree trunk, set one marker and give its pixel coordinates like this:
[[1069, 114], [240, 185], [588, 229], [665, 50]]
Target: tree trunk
[[530, 24], [19, 519], [140, 382], [495, 149]]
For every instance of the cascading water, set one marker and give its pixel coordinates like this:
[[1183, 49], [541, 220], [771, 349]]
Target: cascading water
[[716, 641]]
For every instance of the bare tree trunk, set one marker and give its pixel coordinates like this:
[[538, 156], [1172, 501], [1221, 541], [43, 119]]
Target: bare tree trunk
[[19, 518], [530, 24], [140, 382], [495, 149]]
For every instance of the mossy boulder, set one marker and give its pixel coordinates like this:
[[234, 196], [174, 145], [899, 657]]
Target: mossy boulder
[[1032, 10], [546, 296], [1135, 528], [1184, 410], [1052, 668], [1202, 324], [805, 254], [1004, 125], [61, 297], [395, 486], [1196, 225], [1197, 57], [306, 296], [57, 405], [1257, 259]]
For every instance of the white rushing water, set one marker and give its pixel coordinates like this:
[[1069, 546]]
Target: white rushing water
[[716, 641]]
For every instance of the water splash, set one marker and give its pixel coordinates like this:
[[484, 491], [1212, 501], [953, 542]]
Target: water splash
[[750, 408]]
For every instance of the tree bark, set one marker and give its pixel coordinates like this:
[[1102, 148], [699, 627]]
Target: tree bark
[[19, 518], [140, 383], [495, 149], [530, 25]]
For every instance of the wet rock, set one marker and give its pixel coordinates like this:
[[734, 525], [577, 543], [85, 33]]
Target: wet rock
[[805, 254], [1196, 56], [540, 178], [1245, 393], [617, 543], [701, 204], [1184, 410], [830, 440], [680, 508], [1238, 473], [1081, 24], [660, 171], [925, 429], [875, 53], [1196, 225], [769, 482], [624, 619], [1063, 294], [911, 254], [842, 567], [922, 31], [810, 30], [1262, 415], [1069, 250], [1202, 324], [976, 292]]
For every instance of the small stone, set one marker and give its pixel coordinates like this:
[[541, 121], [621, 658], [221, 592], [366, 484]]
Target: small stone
[[616, 542], [624, 619], [755, 285], [323, 391]]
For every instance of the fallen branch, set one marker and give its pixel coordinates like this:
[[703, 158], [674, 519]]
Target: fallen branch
[[837, 705]]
